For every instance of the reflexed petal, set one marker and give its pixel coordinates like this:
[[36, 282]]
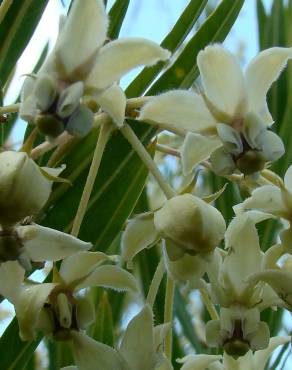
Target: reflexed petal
[[222, 79], [110, 277], [198, 362], [28, 306], [113, 101], [260, 358], [139, 234], [244, 256], [179, 108], [11, 278], [288, 179], [266, 198], [118, 57], [90, 354], [80, 264], [261, 72], [280, 281], [242, 363], [197, 148], [83, 33], [45, 244], [53, 171], [137, 345]]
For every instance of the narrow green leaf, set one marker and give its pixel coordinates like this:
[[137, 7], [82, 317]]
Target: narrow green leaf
[[184, 70], [262, 23], [16, 30], [116, 16], [171, 42]]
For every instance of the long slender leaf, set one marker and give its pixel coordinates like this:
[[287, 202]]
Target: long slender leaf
[[16, 30], [116, 16], [171, 42]]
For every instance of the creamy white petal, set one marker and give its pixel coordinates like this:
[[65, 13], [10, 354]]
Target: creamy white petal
[[110, 277], [272, 145], [11, 278], [222, 79], [80, 265], [260, 358], [261, 72], [113, 101], [244, 256], [45, 244], [118, 57], [266, 198], [90, 354], [83, 33], [28, 306], [198, 362], [138, 235], [137, 345], [179, 108], [288, 179], [197, 148]]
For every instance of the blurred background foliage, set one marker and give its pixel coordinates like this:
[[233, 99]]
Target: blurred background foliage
[[122, 187]]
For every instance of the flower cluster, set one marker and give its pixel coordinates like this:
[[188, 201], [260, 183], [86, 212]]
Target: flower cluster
[[226, 126]]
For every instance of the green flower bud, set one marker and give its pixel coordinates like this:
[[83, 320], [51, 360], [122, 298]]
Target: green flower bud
[[24, 190], [49, 125], [191, 224]]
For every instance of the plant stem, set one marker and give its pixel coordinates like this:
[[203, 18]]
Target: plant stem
[[103, 137], [147, 159], [209, 305], [4, 7], [13, 108], [167, 150], [168, 311], [155, 283]]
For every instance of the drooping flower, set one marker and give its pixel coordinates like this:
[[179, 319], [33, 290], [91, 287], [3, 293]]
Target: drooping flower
[[239, 327], [230, 120], [24, 187], [141, 348], [55, 307], [190, 227], [81, 67]]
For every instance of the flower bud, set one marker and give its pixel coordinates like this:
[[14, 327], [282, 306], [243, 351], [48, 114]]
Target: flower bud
[[191, 224], [24, 190]]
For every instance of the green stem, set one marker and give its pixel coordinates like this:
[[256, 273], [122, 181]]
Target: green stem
[[156, 280], [147, 159], [168, 311], [103, 137], [209, 305]]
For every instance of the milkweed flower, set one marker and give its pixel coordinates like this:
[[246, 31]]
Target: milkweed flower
[[229, 122], [81, 66], [56, 308], [136, 351]]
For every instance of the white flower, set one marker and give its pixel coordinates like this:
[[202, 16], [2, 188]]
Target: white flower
[[190, 227], [141, 348], [239, 327], [81, 65], [251, 361], [55, 308], [231, 118], [24, 187]]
